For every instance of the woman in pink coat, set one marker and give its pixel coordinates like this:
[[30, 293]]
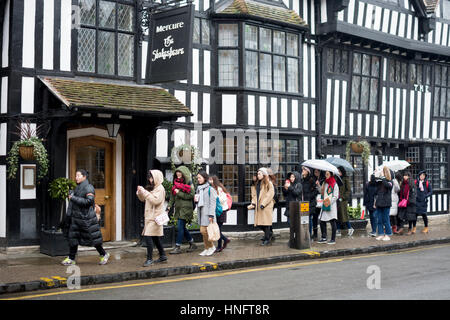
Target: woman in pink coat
[[153, 195]]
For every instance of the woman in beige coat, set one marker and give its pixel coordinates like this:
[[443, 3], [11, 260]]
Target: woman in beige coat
[[264, 204], [153, 195]]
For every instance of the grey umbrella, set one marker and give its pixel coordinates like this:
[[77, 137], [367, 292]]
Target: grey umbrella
[[338, 162]]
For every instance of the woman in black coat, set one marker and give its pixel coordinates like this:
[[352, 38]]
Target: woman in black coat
[[407, 191], [309, 194], [84, 228], [424, 191], [370, 190], [292, 190]]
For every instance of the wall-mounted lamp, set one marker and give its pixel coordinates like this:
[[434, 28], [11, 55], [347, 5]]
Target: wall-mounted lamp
[[113, 129]]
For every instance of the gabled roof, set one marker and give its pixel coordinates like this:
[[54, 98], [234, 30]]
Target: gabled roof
[[277, 12], [112, 96]]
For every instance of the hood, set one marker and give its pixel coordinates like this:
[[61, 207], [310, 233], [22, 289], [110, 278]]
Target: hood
[[418, 175], [185, 172], [158, 177], [298, 176]]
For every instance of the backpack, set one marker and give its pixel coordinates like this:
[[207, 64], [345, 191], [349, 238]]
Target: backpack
[[219, 208], [229, 201]]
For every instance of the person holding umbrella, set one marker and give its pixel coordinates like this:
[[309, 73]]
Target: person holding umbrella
[[328, 213]]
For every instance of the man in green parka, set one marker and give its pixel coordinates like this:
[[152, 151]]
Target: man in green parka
[[181, 198]]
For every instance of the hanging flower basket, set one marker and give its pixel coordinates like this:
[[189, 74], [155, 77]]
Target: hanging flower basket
[[26, 153], [360, 147], [357, 147]]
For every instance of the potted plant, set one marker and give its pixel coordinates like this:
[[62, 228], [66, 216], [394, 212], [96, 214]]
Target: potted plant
[[356, 220], [29, 147], [362, 147], [53, 242]]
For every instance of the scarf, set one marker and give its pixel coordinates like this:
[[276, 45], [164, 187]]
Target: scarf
[[201, 194], [421, 185], [178, 184], [331, 181], [405, 190]]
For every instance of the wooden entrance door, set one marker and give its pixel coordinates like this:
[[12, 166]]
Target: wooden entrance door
[[95, 154]]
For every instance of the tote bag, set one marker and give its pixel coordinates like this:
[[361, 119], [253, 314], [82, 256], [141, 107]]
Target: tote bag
[[213, 231], [162, 219]]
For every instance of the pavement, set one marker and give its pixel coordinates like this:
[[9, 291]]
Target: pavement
[[23, 269]]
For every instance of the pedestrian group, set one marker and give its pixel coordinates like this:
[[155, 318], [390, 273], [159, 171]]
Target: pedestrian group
[[391, 201]]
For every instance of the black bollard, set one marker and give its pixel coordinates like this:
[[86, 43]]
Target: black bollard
[[299, 237]]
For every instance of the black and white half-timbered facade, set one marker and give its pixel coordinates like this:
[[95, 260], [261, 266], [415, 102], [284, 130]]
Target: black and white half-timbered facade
[[309, 74]]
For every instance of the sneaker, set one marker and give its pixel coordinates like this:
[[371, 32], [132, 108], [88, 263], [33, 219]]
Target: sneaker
[[177, 250], [204, 252], [68, 262], [373, 234], [323, 240], [192, 247], [338, 233], [211, 251], [148, 263], [386, 238], [350, 232], [104, 259], [219, 250], [379, 238], [265, 243], [161, 259], [331, 242]]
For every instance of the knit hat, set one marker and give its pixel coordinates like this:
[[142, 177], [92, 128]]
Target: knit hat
[[264, 171], [307, 169]]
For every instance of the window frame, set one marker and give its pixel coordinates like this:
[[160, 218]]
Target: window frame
[[116, 31], [440, 86], [223, 48]]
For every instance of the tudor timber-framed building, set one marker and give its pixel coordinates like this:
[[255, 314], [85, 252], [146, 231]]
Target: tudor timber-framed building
[[320, 72]]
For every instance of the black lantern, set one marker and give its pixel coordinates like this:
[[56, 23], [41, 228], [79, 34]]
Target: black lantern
[[113, 129]]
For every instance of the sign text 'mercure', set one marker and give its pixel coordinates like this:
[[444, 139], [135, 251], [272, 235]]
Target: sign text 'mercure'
[[167, 27]]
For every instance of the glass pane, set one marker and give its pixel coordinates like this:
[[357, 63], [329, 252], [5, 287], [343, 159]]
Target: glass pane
[[292, 75], [443, 100], [404, 72], [438, 75], [428, 155], [448, 102], [365, 94], [398, 67], [337, 60], [125, 18], [279, 42], [265, 64], [437, 94], [292, 44], [344, 65], [357, 62], [279, 65], [412, 74], [205, 31], [251, 37], [444, 76], [419, 74], [250, 171], [106, 49], [251, 69], [265, 39], [356, 84], [330, 60], [373, 94], [392, 71], [281, 151], [92, 159], [102, 216], [292, 151], [228, 68], [87, 12], [375, 66], [436, 155], [230, 179], [228, 35], [107, 14], [126, 55], [428, 75], [196, 31], [86, 50], [366, 64]]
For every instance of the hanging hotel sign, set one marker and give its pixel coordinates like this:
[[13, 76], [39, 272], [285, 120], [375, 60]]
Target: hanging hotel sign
[[170, 45]]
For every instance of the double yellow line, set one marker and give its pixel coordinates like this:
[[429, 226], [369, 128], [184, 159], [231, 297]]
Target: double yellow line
[[221, 274]]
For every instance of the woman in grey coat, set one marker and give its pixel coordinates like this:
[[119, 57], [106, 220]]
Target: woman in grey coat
[[205, 199]]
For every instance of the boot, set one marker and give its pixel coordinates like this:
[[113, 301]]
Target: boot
[[192, 246], [425, 230], [413, 230], [399, 231], [394, 229], [177, 250]]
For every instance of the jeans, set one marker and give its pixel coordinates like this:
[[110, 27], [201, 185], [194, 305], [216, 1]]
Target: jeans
[[373, 221], [384, 224], [182, 232], [150, 241], [222, 237]]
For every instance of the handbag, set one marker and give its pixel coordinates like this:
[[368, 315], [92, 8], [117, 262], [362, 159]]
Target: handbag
[[162, 219], [319, 201], [213, 231], [404, 202]]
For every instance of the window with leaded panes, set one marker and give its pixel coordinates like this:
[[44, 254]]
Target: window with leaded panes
[[365, 82], [228, 55], [271, 59], [201, 31], [413, 157], [337, 61], [398, 71], [357, 178], [106, 37], [441, 91], [446, 9], [436, 163]]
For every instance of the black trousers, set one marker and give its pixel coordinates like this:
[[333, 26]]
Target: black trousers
[[267, 232], [150, 241], [73, 251], [323, 229]]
